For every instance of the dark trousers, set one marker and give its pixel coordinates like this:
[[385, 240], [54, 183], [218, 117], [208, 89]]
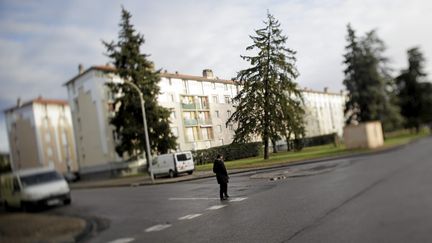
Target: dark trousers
[[223, 190]]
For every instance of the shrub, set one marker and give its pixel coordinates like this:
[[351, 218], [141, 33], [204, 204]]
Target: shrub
[[230, 152]]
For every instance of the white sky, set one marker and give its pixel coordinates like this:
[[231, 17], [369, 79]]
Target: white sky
[[42, 42]]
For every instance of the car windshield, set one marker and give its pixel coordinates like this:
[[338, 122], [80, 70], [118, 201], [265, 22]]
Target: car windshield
[[40, 178], [183, 157]]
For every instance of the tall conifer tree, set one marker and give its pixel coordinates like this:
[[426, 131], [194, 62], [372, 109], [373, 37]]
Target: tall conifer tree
[[415, 97], [130, 64], [368, 82], [268, 88]]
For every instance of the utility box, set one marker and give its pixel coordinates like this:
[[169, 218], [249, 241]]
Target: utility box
[[363, 135]]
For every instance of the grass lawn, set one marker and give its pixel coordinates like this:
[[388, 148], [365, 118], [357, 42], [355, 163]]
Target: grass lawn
[[398, 138]]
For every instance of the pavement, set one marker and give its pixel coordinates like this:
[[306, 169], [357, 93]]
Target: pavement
[[40, 227]]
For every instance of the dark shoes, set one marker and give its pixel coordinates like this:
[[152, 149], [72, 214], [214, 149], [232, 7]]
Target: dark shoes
[[224, 198]]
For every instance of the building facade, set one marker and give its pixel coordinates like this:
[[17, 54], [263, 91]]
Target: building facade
[[324, 112], [40, 133], [199, 105]]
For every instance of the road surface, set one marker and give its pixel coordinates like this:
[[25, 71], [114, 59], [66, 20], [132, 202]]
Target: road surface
[[385, 197]]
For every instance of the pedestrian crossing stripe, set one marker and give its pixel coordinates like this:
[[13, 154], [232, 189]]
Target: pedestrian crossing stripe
[[190, 216], [158, 227]]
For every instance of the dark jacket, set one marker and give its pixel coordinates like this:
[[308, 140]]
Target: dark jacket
[[220, 171]]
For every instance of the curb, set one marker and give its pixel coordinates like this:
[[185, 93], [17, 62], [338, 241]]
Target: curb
[[85, 232], [238, 171]]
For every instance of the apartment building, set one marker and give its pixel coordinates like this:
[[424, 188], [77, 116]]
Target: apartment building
[[324, 112], [40, 134], [200, 107]]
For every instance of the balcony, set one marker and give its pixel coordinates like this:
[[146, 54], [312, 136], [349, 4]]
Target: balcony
[[190, 122], [204, 121], [189, 106]]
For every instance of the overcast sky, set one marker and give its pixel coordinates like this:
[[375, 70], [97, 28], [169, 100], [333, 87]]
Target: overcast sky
[[42, 42]]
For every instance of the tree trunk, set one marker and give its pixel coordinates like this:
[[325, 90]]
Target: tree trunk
[[288, 142], [274, 146], [266, 148]]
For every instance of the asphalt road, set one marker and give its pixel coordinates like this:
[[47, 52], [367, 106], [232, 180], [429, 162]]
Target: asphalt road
[[384, 197]]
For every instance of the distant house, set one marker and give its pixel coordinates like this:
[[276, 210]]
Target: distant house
[[40, 134]]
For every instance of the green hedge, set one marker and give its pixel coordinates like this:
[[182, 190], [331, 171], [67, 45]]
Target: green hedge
[[230, 152]]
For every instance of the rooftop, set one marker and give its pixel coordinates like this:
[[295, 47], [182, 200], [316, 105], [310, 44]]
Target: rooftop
[[38, 100]]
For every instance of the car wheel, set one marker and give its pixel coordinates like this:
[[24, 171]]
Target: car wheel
[[171, 174], [190, 172], [67, 201], [7, 207], [26, 207]]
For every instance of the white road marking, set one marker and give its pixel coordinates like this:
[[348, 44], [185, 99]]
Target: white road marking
[[216, 207], [158, 227], [234, 199], [122, 240], [190, 216], [192, 198], [237, 199]]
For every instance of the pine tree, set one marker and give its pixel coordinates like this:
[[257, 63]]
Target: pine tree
[[368, 82], [414, 94], [268, 88], [130, 64]]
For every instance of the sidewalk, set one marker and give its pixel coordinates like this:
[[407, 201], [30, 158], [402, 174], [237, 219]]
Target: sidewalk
[[25, 227]]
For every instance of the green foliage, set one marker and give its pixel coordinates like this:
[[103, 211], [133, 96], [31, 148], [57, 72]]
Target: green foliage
[[5, 165], [134, 66], [230, 152], [415, 95], [368, 82], [268, 105]]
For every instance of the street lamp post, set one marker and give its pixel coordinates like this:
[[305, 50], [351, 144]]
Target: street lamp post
[[148, 151]]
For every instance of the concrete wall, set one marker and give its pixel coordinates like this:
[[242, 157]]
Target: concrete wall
[[363, 135], [40, 134]]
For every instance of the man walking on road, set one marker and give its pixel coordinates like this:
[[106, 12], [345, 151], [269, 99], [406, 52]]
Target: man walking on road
[[222, 176]]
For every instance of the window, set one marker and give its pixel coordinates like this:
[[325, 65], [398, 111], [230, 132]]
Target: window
[[215, 99], [207, 133], [227, 99], [229, 113], [49, 152], [172, 97], [219, 128], [217, 114], [47, 137], [64, 137], [169, 81], [45, 122], [192, 134], [76, 104], [226, 86], [185, 86], [214, 85], [230, 127]]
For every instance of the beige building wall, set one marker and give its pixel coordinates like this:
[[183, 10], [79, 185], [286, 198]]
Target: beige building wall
[[90, 102], [363, 135], [40, 134], [23, 145]]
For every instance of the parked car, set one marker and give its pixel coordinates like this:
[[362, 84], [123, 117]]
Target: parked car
[[30, 188], [173, 164]]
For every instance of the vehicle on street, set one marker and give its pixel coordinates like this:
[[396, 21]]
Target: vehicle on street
[[31, 188], [173, 164]]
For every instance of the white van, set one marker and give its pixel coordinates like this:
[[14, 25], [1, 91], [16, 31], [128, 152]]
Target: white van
[[173, 164], [30, 188]]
